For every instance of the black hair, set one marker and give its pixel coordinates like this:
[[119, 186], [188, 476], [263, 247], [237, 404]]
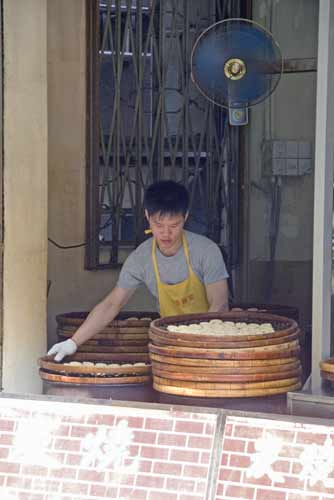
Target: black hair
[[166, 197]]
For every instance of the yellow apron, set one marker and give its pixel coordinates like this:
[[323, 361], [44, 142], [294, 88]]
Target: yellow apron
[[188, 296]]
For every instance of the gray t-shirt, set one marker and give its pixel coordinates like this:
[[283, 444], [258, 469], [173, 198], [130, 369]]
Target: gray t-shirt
[[205, 258]]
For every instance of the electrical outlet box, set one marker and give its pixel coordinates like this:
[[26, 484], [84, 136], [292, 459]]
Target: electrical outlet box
[[287, 158]]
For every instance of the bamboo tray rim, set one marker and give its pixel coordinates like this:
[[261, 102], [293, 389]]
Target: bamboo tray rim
[[52, 377], [247, 393], [47, 363], [159, 325], [239, 370], [202, 362], [222, 341], [122, 319]]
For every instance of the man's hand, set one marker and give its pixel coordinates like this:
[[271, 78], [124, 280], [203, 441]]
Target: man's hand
[[63, 349]]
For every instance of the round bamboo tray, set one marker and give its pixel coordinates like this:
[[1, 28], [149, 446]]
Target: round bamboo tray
[[109, 333], [225, 393], [257, 363], [223, 377], [123, 319], [327, 365], [277, 309], [269, 352], [221, 341], [48, 364], [284, 327], [52, 377]]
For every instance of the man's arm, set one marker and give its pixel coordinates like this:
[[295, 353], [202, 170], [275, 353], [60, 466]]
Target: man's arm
[[102, 314], [217, 294], [98, 318]]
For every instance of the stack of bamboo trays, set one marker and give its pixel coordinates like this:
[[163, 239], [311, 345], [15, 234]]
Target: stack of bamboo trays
[[127, 333], [221, 365], [327, 370], [97, 369]]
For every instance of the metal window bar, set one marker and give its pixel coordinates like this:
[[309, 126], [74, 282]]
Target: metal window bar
[[147, 121]]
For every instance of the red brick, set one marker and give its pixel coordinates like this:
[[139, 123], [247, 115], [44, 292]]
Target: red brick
[[79, 431], [159, 495], [201, 487], [67, 444], [133, 422], [167, 468], [63, 473], [30, 496], [181, 485], [184, 456], [190, 427], [296, 468], [239, 461], [319, 487], [45, 485], [7, 425], [239, 491], [228, 429], [200, 442], [232, 475], [310, 438], [205, 457], [132, 494], [195, 471], [108, 420], [247, 431], [2, 479], [73, 459], [144, 465], [63, 430], [270, 495], [159, 424], [91, 475], [293, 483], [19, 482], [146, 437], [75, 488], [281, 466], [210, 428], [133, 450], [286, 436], [154, 453], [261, 481], [172, 439], [4, 452], [97, 490], [250, 447], [150, 481], [291, 451], [220, 489], [238, 445], [6, 439], [34, 470], [224, 459]]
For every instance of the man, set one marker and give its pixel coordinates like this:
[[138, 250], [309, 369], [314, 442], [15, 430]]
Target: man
[[183, 270]]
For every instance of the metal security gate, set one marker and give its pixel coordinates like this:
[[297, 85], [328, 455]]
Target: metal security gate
[[147, 121]]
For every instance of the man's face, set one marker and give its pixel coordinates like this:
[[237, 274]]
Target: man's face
[[167, 230]]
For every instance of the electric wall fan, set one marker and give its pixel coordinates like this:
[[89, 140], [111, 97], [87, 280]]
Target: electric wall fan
[[236, 63]]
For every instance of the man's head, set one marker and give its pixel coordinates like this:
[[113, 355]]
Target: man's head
[[166, 206]]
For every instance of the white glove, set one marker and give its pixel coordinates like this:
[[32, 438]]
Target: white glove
[[63, 349]]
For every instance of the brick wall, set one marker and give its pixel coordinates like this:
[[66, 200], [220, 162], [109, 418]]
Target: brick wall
[[276, 460], [56, 450]]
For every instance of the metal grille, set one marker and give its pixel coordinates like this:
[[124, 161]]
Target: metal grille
[[148, 122]]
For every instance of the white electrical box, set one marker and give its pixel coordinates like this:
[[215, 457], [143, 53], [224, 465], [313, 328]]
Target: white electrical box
[[287, 158]]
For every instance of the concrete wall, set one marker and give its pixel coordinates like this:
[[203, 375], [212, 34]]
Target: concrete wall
[[288, 114], [25, 193], [72, 287]]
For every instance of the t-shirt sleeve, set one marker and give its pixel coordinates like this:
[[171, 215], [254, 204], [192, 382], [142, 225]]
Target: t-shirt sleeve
[[214, 268], [132, 272]]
